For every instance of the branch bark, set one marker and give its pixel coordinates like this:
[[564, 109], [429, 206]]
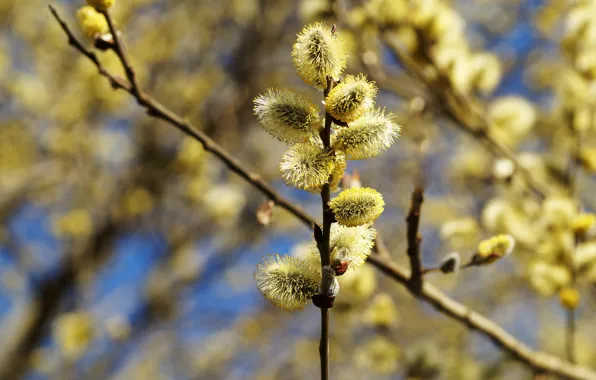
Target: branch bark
[[414, 239]]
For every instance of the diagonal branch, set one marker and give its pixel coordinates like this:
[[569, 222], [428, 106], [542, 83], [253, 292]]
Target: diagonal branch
[[540, 361], [155, 109]]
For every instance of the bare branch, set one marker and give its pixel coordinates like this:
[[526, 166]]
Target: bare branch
[[414, 239]]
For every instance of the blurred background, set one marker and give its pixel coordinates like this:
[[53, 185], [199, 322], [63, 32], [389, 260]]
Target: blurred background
[[127, 252]]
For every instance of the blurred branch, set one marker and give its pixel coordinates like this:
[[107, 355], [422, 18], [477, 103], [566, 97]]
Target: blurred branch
[[428, 293], [414, 239], [45, 304]]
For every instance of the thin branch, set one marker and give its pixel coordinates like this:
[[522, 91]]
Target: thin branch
[[155, 109], [537, 360], [115, 82], [414, 238], [121, 52]]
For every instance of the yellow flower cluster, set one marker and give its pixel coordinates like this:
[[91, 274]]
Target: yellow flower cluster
[[569, 298], [351, 98], [73, 333], [286, 281], [319, 53], [368, 136], [307, 166], [493, 249], [357, 206], [92, 22], [101, 5], [286, 115], [349, 244]]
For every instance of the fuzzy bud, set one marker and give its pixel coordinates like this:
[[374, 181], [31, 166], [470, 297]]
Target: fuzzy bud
[[451, 263], [307, 166], [493, 249], [349, 244], [569, 298], [101, 5], [92, 22], [357, 206], [286, 115], [286, 281], [351, 98], [368, 136], [328, 285], [584, 226], [317, 54]]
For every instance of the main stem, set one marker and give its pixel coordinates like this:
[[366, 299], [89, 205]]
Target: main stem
[[324, 246]]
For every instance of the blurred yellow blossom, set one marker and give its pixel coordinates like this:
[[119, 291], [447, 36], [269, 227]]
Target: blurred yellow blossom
[[73, 333]]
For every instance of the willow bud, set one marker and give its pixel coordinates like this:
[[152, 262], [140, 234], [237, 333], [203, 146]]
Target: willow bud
[[493, 249], [368, 136], [92, 22], [286, 281], [307, 166], [317, 54], [349, 244], [351, 98], [357, 206], [286, 115], [101, 5]]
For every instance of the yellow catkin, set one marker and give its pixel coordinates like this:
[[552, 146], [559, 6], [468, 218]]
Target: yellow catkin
[[101, 5], [317, 54], [352, 98], [569, 298], [286, 115], [493, 249], [357, 206], [286, 281], [92, 23]]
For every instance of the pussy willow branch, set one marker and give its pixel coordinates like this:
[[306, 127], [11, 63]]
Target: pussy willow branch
[[324, 246], [537, 360]]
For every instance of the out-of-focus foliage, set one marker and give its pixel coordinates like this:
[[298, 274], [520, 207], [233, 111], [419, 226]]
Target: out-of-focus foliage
[[126, 250]]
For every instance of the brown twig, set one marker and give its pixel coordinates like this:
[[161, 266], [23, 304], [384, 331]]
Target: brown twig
[[537, 360], [414, 239]]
